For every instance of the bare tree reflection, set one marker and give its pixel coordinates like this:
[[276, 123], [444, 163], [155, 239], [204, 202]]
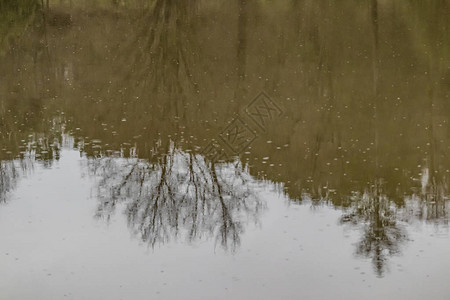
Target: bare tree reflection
[[430, 203], [8, 179], [180, 196], [382, 233], [10, 173], [161, 50]]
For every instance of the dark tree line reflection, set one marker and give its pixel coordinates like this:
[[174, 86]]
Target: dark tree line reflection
[[181, 195]]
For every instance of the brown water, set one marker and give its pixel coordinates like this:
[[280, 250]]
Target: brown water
[[224, 149]]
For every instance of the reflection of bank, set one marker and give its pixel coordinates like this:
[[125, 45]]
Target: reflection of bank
[[180, 196]]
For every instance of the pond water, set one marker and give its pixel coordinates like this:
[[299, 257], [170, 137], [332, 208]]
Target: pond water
[[224, 149]]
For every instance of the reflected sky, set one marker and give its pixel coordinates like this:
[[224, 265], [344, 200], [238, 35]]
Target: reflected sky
[[219, 129]]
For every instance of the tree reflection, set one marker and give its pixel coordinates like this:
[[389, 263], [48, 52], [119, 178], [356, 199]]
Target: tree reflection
[[357, 106], [382, 232], [381, 217], [161, 51], [374, 209], [181, 195], [8, 179], [14, 17], [10, 173], [430, 202]]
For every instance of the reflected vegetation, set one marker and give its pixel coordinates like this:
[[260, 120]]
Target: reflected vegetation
[[10, 173], [383, 233], [8, 178], [15, 18], [181, 195], [143, 86]]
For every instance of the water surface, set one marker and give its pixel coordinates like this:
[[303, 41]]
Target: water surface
[[216, 150]]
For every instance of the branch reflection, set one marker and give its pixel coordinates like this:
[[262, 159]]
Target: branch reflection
[[8, 179], [383, 232], [181, 195]]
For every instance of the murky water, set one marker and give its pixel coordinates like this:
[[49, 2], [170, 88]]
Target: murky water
[[224, 149]]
